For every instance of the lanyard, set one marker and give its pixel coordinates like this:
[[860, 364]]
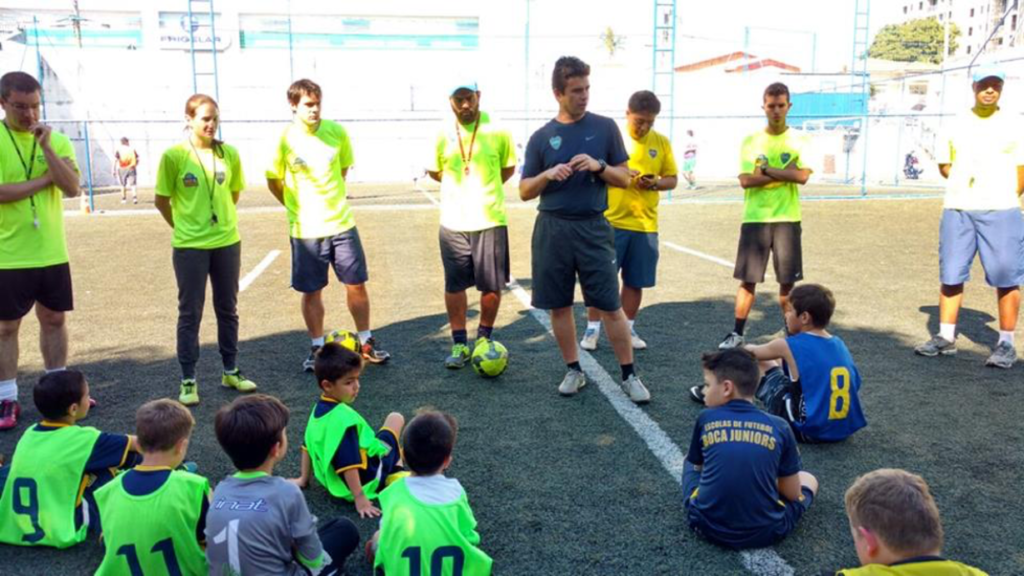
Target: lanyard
[[28, 169], [462, 152], [209, 185]]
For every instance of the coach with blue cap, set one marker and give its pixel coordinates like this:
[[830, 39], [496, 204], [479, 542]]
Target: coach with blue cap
[[982, 159]]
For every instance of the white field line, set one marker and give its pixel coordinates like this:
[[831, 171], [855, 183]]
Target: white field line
[[255, 272], [762, 562], [430, 197], [699, 254]]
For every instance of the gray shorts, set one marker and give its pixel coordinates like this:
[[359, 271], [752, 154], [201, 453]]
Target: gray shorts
[[312, 256], [564, 249], [758, 240], [475, 259], [126, 177], [997, 236]]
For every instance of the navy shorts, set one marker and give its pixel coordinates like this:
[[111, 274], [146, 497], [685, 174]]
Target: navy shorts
[[637, 255], [563, 249], [475, 259], [779, 239], [995, 235], [312, 256], [383, 466], [20, 289]]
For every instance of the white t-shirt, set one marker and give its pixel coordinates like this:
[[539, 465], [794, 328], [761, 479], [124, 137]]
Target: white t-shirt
[[984, 153]]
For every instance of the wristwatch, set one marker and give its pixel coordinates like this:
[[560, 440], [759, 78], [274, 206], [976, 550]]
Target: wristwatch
[[602, 165]]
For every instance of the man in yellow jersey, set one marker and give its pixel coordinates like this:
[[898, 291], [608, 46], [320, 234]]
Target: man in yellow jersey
[[37, 171], [633, 212], [472, 161], [307, 176], [773, 165], [126, 160]]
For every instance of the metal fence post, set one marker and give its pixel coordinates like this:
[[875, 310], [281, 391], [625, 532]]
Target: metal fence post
[[88, 166]]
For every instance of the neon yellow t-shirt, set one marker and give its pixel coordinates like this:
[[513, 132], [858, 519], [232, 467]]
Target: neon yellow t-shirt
[[985, 154], [632, 208], [778, 201], [926, 567], [22, 244], [474, 201], [186, 175], [310, 165]]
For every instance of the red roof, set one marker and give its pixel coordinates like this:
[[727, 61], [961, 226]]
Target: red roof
[[750, 63], [763, 63], [723, 59]]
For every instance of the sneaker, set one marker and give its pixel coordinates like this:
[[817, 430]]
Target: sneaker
[[189, 466], [937, 345], [571, 384], [135, 200], [459, 357], [124, 200], [733, 340], [310, 361], [697, 394], [1003, 356], [374, 355], [590, 338], [237, 381], [635, 389], [638, 342], [189, 395], [9, 412]]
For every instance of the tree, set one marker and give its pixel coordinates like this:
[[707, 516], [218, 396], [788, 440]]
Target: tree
[[611, 41], [914, 41]]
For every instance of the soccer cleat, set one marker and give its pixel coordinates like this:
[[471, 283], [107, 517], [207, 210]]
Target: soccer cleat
[[635, 389], [590, 338], [697, 394], [459, 357], [189, 395], [638, 342], [571, 384], [733, 340], [937, 345], [372, 354], [237, 381], [1004, 356], [9, 412], [310, 361]]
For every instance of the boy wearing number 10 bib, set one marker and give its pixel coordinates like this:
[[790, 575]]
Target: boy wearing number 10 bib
[[154, 515], [46, 494], [427, 525]]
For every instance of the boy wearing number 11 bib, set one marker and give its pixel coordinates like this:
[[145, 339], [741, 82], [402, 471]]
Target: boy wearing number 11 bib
[[154, 515]]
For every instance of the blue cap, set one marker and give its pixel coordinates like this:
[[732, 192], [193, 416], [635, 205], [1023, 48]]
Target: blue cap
[[466, 85], [988, 71]]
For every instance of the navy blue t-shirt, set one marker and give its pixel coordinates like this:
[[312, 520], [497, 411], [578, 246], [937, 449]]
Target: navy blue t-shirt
[[744, 452], [584, 194]]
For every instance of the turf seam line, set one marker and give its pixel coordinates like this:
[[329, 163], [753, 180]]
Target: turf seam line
[[762, 562], [255, 272]]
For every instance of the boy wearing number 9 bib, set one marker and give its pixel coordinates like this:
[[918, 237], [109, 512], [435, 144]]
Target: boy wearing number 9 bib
[[427, 526], [46, 494], [259, 524], [154, 514]]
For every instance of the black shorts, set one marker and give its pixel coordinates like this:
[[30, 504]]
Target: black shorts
[[21, 288], [475, 259], [564, 249], [312, 256], [782, 240]]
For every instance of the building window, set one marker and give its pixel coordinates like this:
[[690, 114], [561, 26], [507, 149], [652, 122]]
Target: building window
[[920, 5], [1013, 22], [968, 49], [970, 31], [942, 17], [972, 12]]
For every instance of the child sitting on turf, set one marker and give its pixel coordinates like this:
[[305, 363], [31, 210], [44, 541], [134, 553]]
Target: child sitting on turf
[[809, 379], [154, 515], [436, 506], [345, 455], [259, 523], [896, 527], [742, 483], [47, 490]]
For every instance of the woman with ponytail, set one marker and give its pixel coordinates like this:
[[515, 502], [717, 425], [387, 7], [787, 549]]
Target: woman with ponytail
[[197, 187]]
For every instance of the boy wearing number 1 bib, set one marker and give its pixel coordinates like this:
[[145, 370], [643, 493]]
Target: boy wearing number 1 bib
[[46, 494], [154, 515]]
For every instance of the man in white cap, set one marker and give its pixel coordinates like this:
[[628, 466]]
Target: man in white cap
[[473, 158], [982, 160]]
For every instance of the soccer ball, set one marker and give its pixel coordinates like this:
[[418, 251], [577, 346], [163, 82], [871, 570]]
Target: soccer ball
[[344, 338], [490, 358]]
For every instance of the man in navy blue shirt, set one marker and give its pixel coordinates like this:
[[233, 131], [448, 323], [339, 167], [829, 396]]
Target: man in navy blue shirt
[[569, 164], [742, 483]]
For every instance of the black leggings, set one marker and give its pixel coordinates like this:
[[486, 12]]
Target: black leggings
[[339, 537]]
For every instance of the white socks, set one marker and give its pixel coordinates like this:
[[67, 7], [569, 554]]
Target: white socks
[[948, 331], [318, 342], [52, 370], [1005, 336], [9, 389], [364, 335], [630, 324], [593, 324]]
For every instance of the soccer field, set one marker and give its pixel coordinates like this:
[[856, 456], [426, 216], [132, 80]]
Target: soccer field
[[580, 485]]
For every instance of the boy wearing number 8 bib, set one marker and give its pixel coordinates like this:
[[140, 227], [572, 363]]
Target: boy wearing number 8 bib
[[427, 526], [154, 514], [47, 491], [259, 524]]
